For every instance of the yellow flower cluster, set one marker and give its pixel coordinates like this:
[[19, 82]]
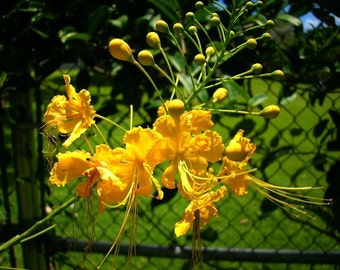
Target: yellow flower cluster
[[181, 140]]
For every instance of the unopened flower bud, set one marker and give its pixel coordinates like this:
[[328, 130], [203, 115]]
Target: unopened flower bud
[[239, 148], [270, 23], [250, 4], [215, 21], [178, 28], [162, 26], [256, 68], [251, 43], [259, 3], [176, 108], [219, 95], [162, 109], [120, 50], [266, 36], [190, 16], [199, 5], [278, 75], [231, 34], [270, 112], [199, 59], [146, 58], [153, 40], [209, 51], [192, 29]]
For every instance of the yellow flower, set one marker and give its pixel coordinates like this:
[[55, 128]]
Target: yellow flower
[[237, 155], [97, 169], [71, 115], [237, 181], [191, 147], [70, 165], [202, 209], [233, 174], [134, 164], [240, 149], [188, 136]]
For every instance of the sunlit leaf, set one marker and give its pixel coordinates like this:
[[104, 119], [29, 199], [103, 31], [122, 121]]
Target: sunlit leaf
[[258, 99], [75, 36], [290, 19]]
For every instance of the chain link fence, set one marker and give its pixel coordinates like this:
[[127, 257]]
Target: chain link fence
[[250, 232]]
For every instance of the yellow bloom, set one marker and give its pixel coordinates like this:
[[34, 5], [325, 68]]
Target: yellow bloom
[[97, 169], [204, 207], [237, 181], [71, 115], [237, 155], [240, 149], [70, 165], [134, 164], [188, 136], [233, 174], [191, 147]]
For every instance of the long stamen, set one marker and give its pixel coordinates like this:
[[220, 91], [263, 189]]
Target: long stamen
[[292, 196], [281, 204], [130, 197]]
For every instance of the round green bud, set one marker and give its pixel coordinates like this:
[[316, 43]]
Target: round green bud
[[259, 3], [146, 58], [215, 21], [256, 68], [251, 43], [278, 75], [266, 36], [270, 112], [176, 108], [250, 4], [209, 51], [199, 59], [270, 23], [199, 5], [192, 29], [232, 34], [153, 40], [162, 26], [190, 16], [178, 28]]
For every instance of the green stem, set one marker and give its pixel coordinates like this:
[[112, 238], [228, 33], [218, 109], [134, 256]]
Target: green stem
[[234, 111], [110, 121], [150, 80], [33, 230]]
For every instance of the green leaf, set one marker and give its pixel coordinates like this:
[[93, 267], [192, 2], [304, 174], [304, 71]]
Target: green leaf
[[75, 35], [120, 22], [290, 19], [186, 82], [97, 20], [168, 8], [234, 90], [257, 100], [40, 33], [177, 61]]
